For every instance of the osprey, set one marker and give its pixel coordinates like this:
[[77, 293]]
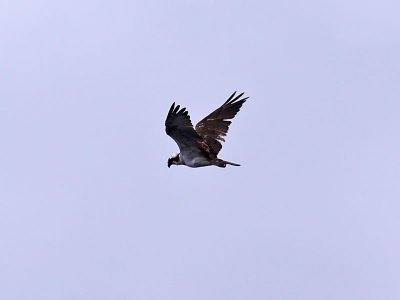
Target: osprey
[[200, 146]]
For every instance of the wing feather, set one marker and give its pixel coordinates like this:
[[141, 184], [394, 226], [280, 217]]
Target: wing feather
[[179, 127], [213, 128]]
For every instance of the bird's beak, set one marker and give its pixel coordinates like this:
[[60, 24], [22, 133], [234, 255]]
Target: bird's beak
[[169, 163]]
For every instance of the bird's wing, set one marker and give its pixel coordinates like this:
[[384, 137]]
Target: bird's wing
[[179, 127], [214, 127]]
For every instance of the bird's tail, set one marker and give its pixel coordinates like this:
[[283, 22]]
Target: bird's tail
[[222, 163]]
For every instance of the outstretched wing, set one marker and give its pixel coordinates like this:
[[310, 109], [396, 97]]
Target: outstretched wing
[[179, 127], [214, 127]]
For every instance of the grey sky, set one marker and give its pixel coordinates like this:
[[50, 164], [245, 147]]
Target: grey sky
[[88, 207]]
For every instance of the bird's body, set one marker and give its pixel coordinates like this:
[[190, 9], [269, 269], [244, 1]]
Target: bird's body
[[200, 146], [193, 158]]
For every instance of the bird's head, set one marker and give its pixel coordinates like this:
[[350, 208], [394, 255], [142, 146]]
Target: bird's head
[[173, 160]]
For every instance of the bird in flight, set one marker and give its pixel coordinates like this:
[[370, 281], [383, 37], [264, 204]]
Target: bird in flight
[[200, 146]]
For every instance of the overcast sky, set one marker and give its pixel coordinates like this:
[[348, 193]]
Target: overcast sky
[[88, 207]]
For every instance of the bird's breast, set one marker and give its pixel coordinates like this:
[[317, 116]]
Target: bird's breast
[[194, 159]]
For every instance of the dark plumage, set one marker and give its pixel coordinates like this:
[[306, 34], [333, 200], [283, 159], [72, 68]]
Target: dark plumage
[[200, 146]]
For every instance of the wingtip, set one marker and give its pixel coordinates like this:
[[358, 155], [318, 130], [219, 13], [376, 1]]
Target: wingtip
[[230, 97], [171, 109], [237, 97], [233, 98]]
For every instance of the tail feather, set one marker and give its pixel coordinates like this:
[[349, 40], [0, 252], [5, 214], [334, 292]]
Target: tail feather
[[222, 163]]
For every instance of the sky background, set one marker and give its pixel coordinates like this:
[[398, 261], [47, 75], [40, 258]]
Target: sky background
[[88, 207]]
